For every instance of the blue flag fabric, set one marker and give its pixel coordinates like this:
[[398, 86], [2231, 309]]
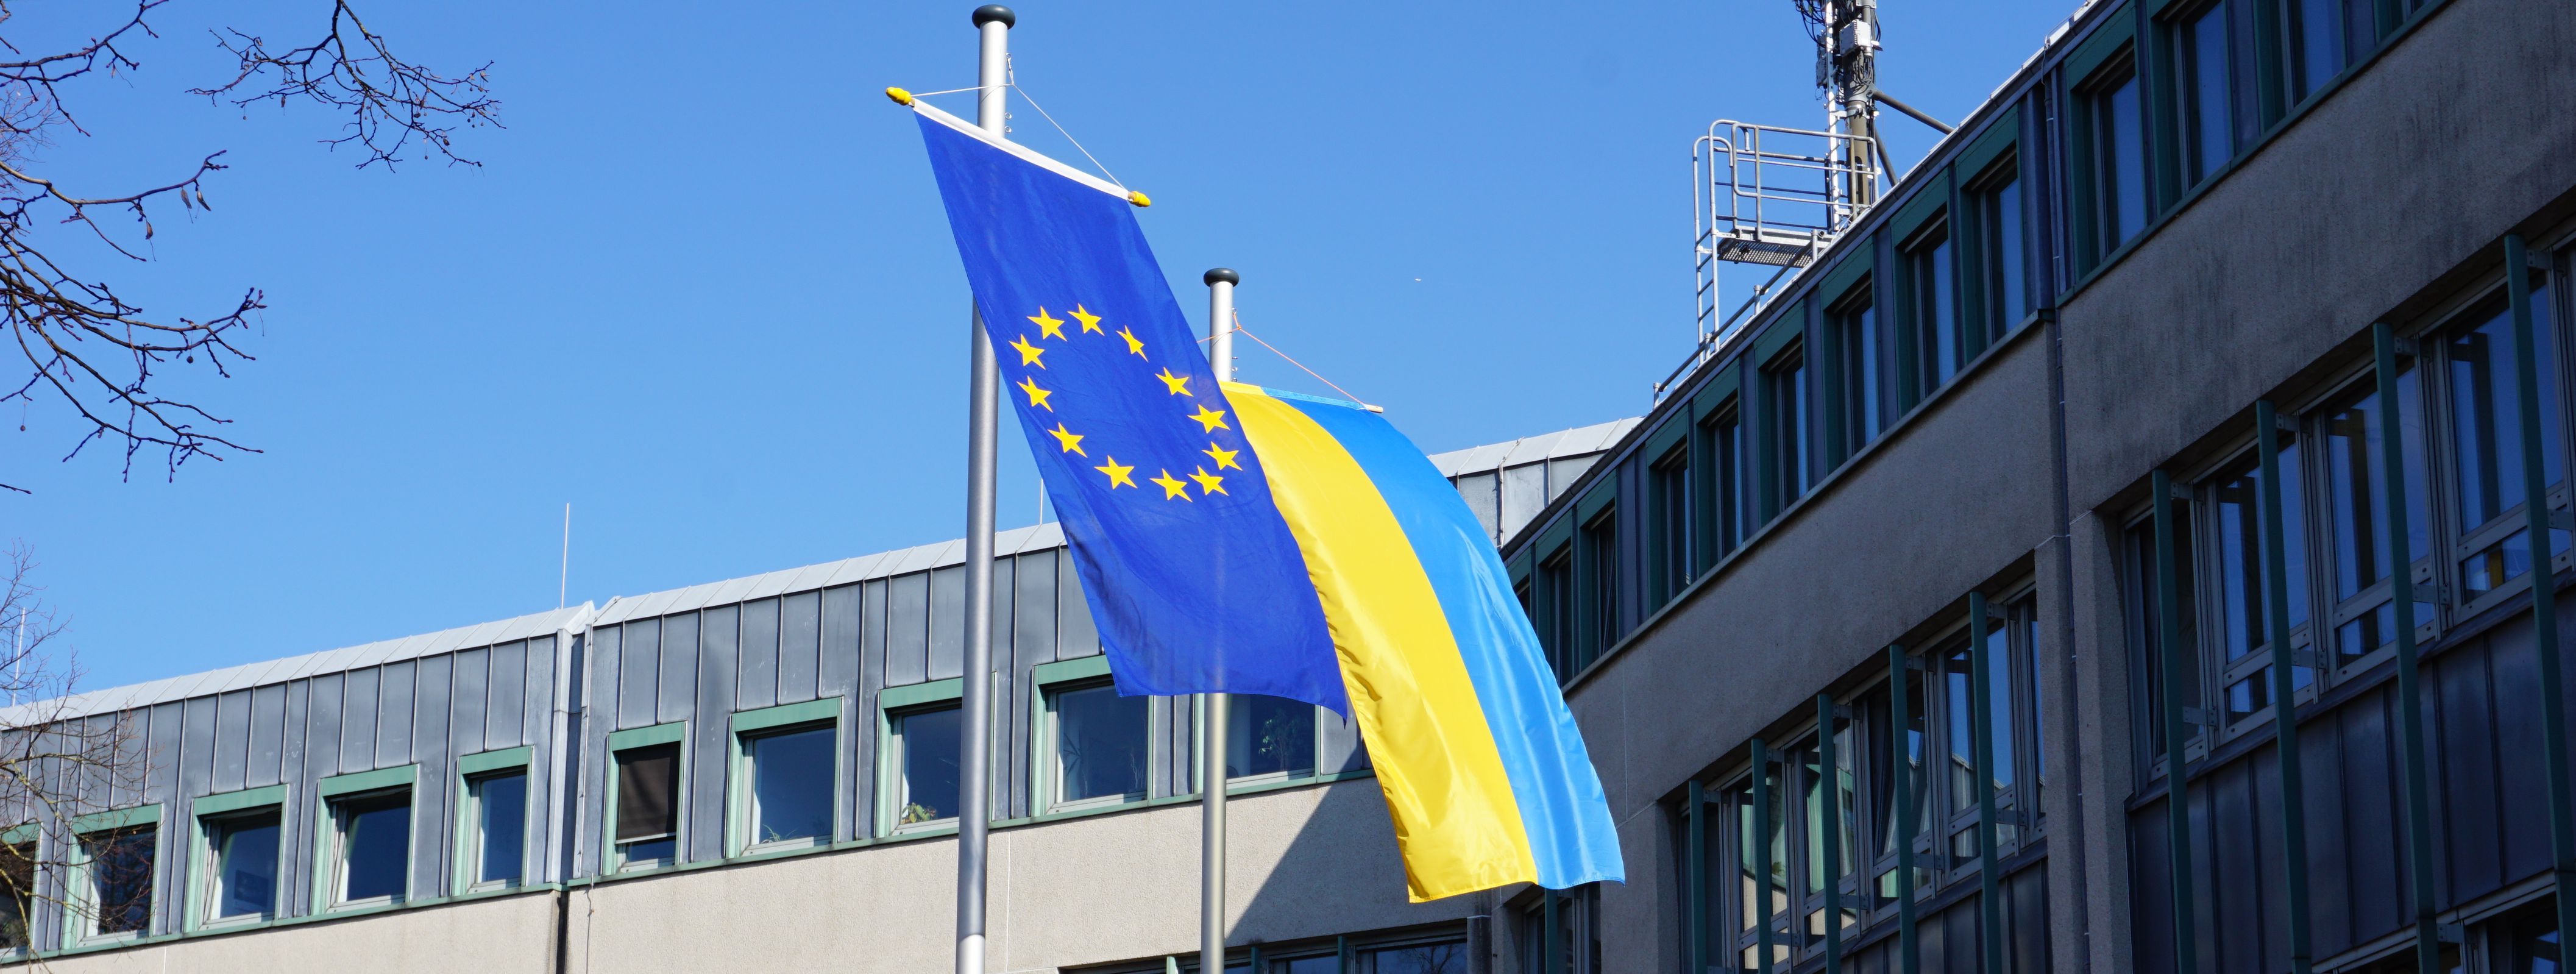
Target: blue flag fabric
[[1194, 580]]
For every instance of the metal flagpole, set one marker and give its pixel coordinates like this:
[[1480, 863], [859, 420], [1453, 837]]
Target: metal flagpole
[[1212, 707], [974, 815]]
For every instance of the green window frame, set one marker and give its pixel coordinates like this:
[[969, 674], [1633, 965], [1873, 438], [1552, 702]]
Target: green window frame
[[1596, 574], [748, 728], [209, 816], [337, 798], [1668, 512], [82, 916], [893, 705], [1555, 587], [1785, 427], [1046, 767], [472, 771], [614, 857]]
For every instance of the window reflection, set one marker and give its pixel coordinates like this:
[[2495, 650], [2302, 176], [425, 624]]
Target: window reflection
[[2487, 435]]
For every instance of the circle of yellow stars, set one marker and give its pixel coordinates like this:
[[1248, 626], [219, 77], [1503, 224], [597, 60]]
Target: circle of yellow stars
[[1033, 357]]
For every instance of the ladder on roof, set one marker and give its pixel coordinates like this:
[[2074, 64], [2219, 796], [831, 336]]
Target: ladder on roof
[[1773, 196]]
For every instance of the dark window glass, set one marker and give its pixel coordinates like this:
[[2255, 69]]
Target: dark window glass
[[375, 845], [648, 817], [2236, 531], [2534, 945], [2028, 613], [1555, 619], [1668, 481], [1960, 728], [1918, 791], [1937, 347], [244, 849], [1100, 743], [2205, 93], [2119, 162], [2486, 434], [501, 822], [2003, 299], [1857, 336], [18, 875], [2315, 28], [1599, 576], [1269, 736], [1734, 485], [119, 871], [1785, 404], [1446, 958], [930, 747], [2356, 510], [791, 784], [2148, 648]]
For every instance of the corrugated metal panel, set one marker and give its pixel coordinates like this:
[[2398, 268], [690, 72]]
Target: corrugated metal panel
[[861, 814], [434, 680], [232, 740], [1524, 494], [799, 643], [758, 686], [358, 719], [1033, 629], [637, 669], [1077, 635], [907, 641], [507, 691], [267, 735], [679, 681], [707, 753], [605, 675], [472, 681], [394, 714], [947, 622]]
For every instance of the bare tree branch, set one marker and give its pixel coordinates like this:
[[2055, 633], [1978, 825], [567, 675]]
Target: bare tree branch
[[90, 350]]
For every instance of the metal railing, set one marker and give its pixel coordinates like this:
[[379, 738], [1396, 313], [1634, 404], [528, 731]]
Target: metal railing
[[1763, 194]]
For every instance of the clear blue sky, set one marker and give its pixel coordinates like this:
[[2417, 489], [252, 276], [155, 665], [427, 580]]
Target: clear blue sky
[[702, 288]]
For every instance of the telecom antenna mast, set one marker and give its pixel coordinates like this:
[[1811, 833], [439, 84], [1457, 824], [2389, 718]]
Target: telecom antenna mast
[[1775, 196]]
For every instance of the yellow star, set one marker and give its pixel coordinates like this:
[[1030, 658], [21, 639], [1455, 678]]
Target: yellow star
[[1118, 475], [1178, 384], [1072, 441], [1037, 396], [1133, 343], [1173, 488], [1028, 353], [1048, 327], [1208, 483], [1090, 322], [1213, 419], [1224, 458]]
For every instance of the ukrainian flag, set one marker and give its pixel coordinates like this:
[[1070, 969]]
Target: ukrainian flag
[[1234, 539]]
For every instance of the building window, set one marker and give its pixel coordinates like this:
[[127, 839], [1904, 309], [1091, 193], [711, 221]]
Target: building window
[[2202, 90], [1931, 311], [1562, 923], [1555, 616], [1668, 536], [114, 881], [2115, 144], [496, 813], [2145, 638], [789, 774], [370, 850], [1102, 744], [18, 875], [1597, 573], [2355, 478], [2238, 603], [1855, 329], [2485, 441], [648, 806], [1268, 738], [1726, 510], [2314, 30], [1882, 802], [926, 746], [1784, 410], [241, 866], [2001, 299]]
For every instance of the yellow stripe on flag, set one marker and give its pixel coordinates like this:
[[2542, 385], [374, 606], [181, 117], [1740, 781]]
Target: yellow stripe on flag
[[1456, 820]]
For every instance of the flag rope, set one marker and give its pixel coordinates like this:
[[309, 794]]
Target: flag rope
[[1319, 377], [1014, 84]]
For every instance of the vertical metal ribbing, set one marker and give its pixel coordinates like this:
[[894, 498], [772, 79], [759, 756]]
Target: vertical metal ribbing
[[2544, 582], [1909, 956], [1762, 854], [2176, 672], [1695, 857], [2285, 716], [2410, 699], [1830, 784], [1981, 694]]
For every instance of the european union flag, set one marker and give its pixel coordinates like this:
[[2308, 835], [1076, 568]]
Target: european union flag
[[1194, 580], [1245, 540]]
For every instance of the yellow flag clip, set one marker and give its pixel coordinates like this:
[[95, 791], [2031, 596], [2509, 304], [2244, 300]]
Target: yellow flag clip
[[900, 96]]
